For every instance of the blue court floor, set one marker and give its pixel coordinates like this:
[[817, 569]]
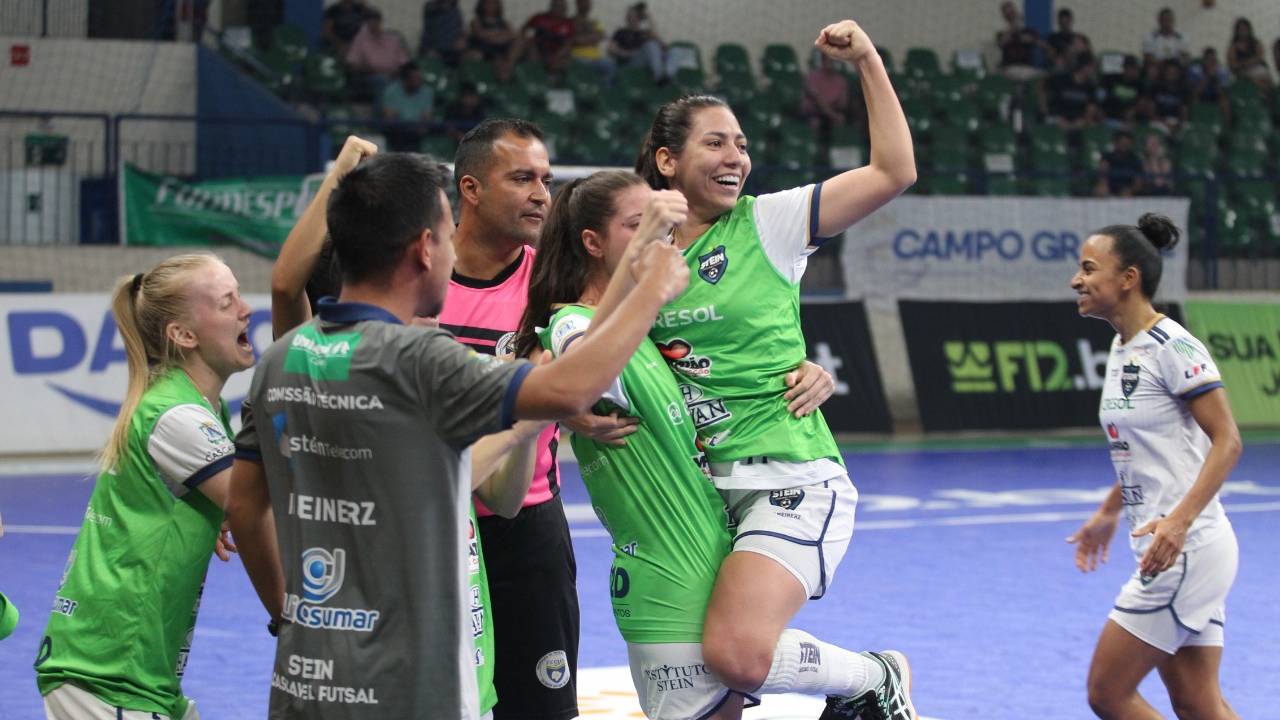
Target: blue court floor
[[958, 559]]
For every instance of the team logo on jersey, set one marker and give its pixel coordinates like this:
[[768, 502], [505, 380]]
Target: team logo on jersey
[[553, 669], [473, 549], [788, 499], [505, 345], [1129, 378], [711, 266], [679, 354], [212, 433], [322, 573]]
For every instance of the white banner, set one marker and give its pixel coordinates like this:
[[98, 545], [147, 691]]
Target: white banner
[[992, 248], [63, 370]]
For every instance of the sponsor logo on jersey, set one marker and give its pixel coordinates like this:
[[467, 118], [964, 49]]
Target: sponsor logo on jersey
[[619, 582], [629, 548], [712, 266], [1184, 348], [1119, 448], [327, 509], [290, 444], [679, 318], [1129, 377], [787, 499], [319, 355], [679, 355], [675, 413], [704, 411], [473, 549], [323, 573], [552, 669], [323, 400], [1114, 403], [65, 606], [1195, 371], [666, 678], [97, 518]]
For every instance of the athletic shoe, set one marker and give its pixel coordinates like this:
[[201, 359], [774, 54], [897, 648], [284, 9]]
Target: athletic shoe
[[891, 700]]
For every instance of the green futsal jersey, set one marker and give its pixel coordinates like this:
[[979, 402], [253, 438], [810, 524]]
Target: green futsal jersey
[[734, 333], [125, 612], [481, 617], [667, 521]]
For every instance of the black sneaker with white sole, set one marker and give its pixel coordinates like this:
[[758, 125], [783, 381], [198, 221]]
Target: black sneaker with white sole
[[890, 700]]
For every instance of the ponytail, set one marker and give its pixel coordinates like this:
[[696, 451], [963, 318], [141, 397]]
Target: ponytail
[[143, 306], [563, 265], [670, 130]]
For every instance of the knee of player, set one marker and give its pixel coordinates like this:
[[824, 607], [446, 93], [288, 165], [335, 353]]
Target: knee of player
[[1196, 704], [1103, 700], [737, 663]]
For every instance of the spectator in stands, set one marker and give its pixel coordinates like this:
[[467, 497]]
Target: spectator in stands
[[1165, 43], [1020, 46], [375, 56], [442, 34], [1169, 96], [340, 23], [1157, 169], [1122, 94], [407, 103], [826, 97], [1072, 98], [1209, 81], [464, 113], [585, 47], [1246, 57], [546, 37], [1120, 171], [491, 38], [1066, 44], [637, 43]]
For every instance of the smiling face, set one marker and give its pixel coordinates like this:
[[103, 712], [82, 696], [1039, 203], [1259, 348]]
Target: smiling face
[[216, 324], [713, 164], [1101, 285], [514, 192]]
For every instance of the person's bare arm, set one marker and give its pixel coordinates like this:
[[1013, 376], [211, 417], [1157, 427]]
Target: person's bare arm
[[301, 249], [254, 527]]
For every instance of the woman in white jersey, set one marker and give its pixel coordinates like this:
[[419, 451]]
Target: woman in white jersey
[[728, 338], [1173, 442], [120, 632]]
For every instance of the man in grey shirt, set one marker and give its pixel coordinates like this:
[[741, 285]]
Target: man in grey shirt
[[361, 423]]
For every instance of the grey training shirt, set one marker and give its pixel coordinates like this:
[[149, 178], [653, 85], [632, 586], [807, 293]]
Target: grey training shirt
[[362, 425]]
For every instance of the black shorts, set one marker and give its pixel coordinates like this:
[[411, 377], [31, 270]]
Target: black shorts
[[532, 590]]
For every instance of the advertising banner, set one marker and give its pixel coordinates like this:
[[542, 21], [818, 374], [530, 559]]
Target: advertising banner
[[63, 370], [992, 248], [1244, 340], [839, 339], [254, 213], [993, 366]]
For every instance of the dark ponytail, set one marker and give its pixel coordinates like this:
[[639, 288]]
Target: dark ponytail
[[562, 266], [1139, 246], [670, 130]]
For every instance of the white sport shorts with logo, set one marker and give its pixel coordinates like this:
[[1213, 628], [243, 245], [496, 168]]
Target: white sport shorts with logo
[[673, 682], [71, 702], [1184, 605], [805, 528]]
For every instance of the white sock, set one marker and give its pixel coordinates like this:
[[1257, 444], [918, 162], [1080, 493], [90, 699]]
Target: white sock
[[805, 664]]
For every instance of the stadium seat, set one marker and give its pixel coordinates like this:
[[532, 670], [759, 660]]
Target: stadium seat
[[690, 80], [1047, 139], [999, 146], [1207, 116], [479, 73], [1243, 96], [277, 70], [439, 146], [684, 54], [1245, 163], [533, 76], [921, 63], [969, 64], [1246, 140], [995, 96], [290, 41], [964, 116], [787, 92], [437, 76], [1200, 140], [949, 90], [635, 84], [1003, 184], [949, 184], [779, 60], [1094, 142], [586, 84], [1051, 187], [949, 158], [732, 59], [324, 77], [738, 88]]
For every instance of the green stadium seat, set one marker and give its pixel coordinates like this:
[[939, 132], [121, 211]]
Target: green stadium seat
[[636, 84], [325, 77], [921, 62], [1094, 142], [1243, 96], [732, 58], [949, 158], [995, 95], [439, 146], [1047, 139], [787, 91], [586, 84], [290, 41], [738, 88], [969, 64], [479, 73], [779, 60], [684, 54], [1051, 187], [1246, 140], [1207, 116], [1003, 184], [440, 78], [1199, 139], [950, 90], [949, 184], [690, 80], [963, 116], [534, 76]]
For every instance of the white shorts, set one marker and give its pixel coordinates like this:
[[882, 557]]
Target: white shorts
[[71, 702], [1184, 605], [673, 683], [805, 529]]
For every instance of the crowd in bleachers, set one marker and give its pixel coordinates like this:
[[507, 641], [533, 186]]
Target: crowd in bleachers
[[1054, 116]]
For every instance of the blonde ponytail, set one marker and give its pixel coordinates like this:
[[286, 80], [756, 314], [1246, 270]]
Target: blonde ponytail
[[143, 306]]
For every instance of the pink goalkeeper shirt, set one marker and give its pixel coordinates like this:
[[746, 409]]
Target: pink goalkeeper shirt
[[484, 315]]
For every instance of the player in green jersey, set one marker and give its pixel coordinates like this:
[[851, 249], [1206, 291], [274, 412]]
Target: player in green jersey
[[667, 522], [501, 464], [726, 337], [118, 639]]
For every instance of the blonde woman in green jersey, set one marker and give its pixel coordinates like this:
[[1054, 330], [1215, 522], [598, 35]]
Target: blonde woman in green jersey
[[118, 639], [726, 338]]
